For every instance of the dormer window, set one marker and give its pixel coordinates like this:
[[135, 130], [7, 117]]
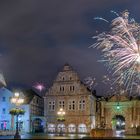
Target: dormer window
[[63, 78]]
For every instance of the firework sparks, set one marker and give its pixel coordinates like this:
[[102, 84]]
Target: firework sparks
[[114, 13], [100, 18], [90, 82], [39, 86], [121, 49]]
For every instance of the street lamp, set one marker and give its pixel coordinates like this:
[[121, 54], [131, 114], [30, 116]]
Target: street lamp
[[118, 106], [61, 118], [17, 100]]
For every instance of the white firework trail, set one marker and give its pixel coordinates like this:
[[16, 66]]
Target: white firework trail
[[121, 49]]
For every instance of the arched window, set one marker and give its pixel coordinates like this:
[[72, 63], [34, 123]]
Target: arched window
[[61, 127], [71, 128], [51, 128], [82, 128]]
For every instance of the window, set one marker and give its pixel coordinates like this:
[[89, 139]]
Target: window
[[61, 88], [61, 104], [71, 105], [70, 78], [82, 128], [3, 111], [3, 99], [71, 88], [37, 100], [63, 78], [10, 99], [51, 105], [82, 105]]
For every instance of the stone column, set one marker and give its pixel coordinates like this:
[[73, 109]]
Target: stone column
[[131, 116], [45, 106], [102, 114], [12, 122], [102, 109], [31, 125], [134, 114]]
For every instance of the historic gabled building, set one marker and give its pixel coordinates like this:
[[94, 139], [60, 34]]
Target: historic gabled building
[[34, 110], [78, 102], [120, 113]]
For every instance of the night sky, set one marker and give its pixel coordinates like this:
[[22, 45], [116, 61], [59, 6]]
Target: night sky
[[38, 37]]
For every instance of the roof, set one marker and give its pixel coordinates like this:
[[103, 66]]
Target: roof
[[5, 91], [2, 80], [29, 94]]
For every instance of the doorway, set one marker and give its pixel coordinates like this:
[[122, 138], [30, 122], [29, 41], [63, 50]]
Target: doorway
[[37, 125], [118, 124]]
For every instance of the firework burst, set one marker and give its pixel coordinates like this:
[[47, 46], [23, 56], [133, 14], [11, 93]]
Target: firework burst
[[121, 50], [90, 82], [39, 86]]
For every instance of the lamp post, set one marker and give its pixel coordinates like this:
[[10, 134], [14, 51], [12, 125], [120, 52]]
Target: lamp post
[[118, 106], [17, 100], [61, 118]]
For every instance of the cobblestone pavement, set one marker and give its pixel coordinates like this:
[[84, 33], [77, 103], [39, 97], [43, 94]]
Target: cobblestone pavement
[[66, 136], [47, 136]]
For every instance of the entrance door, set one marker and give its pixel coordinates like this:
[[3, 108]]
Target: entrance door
[[37, 125], [118, 124]]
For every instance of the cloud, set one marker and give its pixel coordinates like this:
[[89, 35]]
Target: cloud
[[38, 37], [42, 64]]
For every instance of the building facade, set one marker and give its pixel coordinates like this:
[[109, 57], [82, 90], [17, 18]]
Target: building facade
[[120, 113], [32, 121], [5, 106], [78, 102], [34, 112]]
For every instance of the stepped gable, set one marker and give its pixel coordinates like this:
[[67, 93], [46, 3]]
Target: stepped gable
[[29, 94], [67, 67]]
